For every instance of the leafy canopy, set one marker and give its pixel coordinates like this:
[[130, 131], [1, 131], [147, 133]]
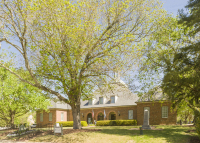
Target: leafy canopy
[[17, 98], [69, 46]]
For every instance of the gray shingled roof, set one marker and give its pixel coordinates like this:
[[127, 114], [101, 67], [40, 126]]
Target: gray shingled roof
[[59, 105], [123, 97]]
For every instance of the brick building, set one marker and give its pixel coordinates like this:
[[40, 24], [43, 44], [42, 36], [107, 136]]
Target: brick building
[[115, 103]]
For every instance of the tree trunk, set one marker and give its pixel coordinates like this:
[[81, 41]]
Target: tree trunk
[[76, 116], [185, 118], [12, 117]]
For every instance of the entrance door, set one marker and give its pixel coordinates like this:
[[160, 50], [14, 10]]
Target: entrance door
[[112, 116], [100, 116], [89, 118]]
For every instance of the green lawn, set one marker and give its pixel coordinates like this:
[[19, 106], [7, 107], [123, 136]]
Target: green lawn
[[121, 134]]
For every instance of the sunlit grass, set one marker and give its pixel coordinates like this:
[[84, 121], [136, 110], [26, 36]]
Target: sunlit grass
[[122, 134]]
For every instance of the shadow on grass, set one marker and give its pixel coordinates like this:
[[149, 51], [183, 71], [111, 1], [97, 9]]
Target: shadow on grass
[[173, 134]]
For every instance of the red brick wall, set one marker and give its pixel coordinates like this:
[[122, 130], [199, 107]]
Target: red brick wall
[[123, 113], [56, 116], [69, 115], [138, 113], [156, 113]]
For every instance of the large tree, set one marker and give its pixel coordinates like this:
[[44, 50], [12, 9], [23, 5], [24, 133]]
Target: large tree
[[174, 56], [74, 44], [17, 98], [159, 53], [181, 79]]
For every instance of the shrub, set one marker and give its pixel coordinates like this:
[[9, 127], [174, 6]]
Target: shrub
[[116, 123], [103, 123], [70, 123]]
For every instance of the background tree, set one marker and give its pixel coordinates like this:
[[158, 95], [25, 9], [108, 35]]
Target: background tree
[[181, 78], [72, 45], [172, 59], [17, 98], [159, 53], [2, 123], [184, 112], [24, 118]]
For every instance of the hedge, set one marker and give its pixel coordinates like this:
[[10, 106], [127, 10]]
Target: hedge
[[70, 123], [116, 123]]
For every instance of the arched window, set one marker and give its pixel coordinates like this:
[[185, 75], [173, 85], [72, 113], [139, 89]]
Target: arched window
[[89, 118], [112, 116], [100, 116]]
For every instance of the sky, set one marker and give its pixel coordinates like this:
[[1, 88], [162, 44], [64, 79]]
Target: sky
[[172, 6]]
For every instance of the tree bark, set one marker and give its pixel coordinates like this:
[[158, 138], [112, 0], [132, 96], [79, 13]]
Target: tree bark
[[76, 116], [12, 117]]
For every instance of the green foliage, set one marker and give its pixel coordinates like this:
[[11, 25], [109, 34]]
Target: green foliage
[[184, 112], [75, 44], [181, 80], [70, 123], [23, 119], [175, 52], [159, 53], [103, 123], [191, 18], [18, 98], [2, 123], [117, 123]]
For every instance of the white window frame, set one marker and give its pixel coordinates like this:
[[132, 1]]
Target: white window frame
[[148, 108], [41, 117], [100, 100], [164, 111], [111, 100], [90, 101], [129, 117], [62, 116], [50, 116]]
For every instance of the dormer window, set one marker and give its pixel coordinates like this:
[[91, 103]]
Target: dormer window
[[90, 102], [100, 100], [112, 99]]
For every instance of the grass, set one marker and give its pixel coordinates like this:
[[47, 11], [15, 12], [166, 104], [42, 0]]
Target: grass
[[2, 133], [121, 134]]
